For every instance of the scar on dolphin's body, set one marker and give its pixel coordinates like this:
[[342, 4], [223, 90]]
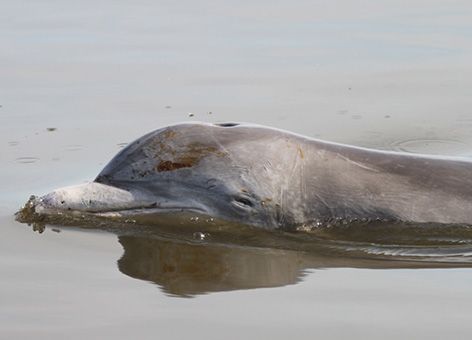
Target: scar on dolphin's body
[[268, 178]]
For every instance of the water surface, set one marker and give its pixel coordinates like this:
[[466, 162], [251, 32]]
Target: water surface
[[80, 80]]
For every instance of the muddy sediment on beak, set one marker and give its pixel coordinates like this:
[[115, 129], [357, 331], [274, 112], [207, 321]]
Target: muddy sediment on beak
[[27, 213]]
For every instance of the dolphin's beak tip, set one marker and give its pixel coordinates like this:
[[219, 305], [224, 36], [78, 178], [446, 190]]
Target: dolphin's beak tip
[[28, 211]]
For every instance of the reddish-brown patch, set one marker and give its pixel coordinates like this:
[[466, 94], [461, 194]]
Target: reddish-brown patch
[[169, 166], [188, 156]]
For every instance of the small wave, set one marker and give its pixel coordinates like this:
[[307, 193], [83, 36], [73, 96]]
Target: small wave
[[27, 160], [430, 145], [444, 254]]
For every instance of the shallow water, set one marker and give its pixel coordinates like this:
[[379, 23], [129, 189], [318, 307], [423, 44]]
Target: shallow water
[[79, 81]]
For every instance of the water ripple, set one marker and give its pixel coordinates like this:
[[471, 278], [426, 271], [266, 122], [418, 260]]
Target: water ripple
[[429, 145], [27, 160]]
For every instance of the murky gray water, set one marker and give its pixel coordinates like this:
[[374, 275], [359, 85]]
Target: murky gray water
[[80, 80]]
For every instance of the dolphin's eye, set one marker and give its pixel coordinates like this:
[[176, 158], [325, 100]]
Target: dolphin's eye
[[244, 201]]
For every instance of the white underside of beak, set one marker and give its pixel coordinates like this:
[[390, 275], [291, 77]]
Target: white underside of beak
[[92, 197]]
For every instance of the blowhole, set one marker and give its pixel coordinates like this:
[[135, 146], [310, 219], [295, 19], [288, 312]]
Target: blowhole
[[228, 124]]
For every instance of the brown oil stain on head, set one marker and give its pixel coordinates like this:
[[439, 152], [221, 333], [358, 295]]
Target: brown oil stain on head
[[189, 156], [169, 166], [170, 150]]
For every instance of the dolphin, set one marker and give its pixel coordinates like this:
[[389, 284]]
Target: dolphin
[[268, 178]]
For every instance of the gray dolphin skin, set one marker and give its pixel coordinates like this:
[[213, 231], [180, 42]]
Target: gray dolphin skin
[[269, 178]]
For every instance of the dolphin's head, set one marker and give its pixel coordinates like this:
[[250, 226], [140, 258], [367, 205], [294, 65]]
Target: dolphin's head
[[228, 171]]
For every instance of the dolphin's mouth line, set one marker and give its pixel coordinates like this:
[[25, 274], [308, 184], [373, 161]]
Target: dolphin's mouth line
[[147, 211], [44, 210]]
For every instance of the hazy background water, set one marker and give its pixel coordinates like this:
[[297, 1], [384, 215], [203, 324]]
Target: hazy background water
[[386, 74]]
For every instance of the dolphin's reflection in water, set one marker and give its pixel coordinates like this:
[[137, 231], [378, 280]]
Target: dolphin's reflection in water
[[186, 269], [232, 257], [182, 267]]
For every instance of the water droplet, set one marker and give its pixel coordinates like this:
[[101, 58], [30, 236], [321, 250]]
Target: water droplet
[[200, 236]]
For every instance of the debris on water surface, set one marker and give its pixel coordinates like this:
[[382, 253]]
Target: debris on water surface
[[200, 236], [167, 107], [190, 114], [28, 210], [50, 129], [56, 230]]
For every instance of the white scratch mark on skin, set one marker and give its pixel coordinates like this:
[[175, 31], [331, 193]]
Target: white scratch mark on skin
[[360, 165]]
